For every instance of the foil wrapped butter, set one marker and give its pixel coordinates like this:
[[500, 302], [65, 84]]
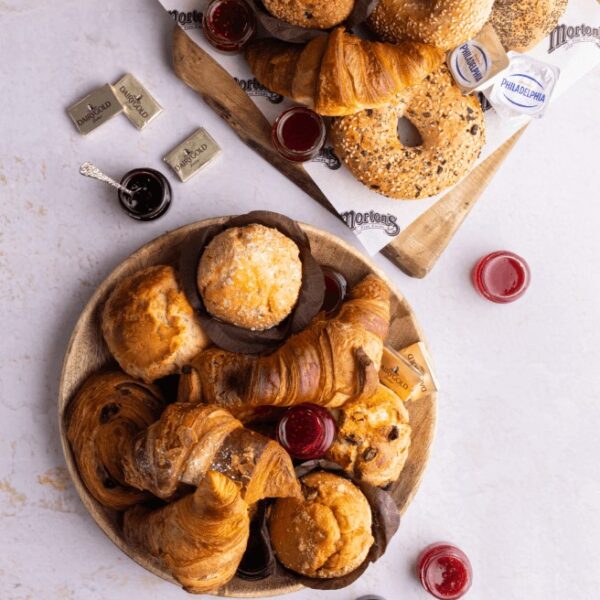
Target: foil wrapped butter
[[140, 106], [397, 373], [418, 356], [95, 109], [193, 154]]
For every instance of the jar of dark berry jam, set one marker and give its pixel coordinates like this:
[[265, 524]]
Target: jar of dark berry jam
[[445, 571], [150, 197], [229, 24], [501, 276], [306, 431], [299, 134], [335, 290]]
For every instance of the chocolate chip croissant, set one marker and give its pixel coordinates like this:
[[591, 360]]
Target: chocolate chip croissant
[[199, 538], [334, 360]]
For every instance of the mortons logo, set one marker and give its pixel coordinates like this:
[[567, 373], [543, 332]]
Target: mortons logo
[[253, 88], [191, 19], [361, 221], [568, 35], [329, 158]]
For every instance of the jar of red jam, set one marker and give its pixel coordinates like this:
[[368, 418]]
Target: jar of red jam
[[445, 571], [501, 276], [299, 134], [229, 24], [306, 431]]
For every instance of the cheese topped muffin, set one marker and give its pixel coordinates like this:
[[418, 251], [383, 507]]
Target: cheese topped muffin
[[250, 276]]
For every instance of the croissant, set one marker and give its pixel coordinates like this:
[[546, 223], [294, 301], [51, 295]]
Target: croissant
[[341, 74], [199, 538], [105, 415], [333, 360], [188, 441]]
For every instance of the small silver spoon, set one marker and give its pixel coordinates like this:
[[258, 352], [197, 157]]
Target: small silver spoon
[[90, 170]]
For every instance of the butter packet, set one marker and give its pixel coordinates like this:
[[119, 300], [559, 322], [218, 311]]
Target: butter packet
[[95, 109], [399, 374], [140, 106], [193, 154], [418, 356], [476, 63]]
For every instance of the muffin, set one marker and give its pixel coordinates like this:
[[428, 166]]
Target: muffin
[[149, 325], [373, 438], [310, 13], [250, 276], [328, 534]]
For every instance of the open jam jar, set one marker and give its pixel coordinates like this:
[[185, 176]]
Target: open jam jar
[[151, 194], [445, 571], [229, 24], [501, 276], [299, 134], [306, 431], [335, 290]]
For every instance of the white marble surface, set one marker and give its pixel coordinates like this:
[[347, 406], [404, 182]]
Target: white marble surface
[[514, 477]]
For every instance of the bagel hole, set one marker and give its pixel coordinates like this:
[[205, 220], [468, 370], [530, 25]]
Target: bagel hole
[[408, 134]]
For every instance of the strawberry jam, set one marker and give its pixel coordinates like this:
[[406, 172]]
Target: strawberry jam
[[445, 571], [229, 24], [501, 276], [299, 134], [306, 431]]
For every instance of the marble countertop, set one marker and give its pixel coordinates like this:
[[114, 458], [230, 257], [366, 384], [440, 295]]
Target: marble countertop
[[514, 476]]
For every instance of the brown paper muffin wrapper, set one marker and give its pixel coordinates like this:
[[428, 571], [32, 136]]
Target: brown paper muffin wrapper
[[237, 339]]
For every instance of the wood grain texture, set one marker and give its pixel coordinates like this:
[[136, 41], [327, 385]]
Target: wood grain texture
[[87, 353], [418, 247]]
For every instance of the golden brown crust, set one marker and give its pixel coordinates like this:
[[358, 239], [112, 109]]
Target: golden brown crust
[[200, 538], [313, 14], [149, 326], [333, 360], [442, 23], [105, 415], [328, 533], [521, 25], [188, 441], [250, 276], [373, 438], [451, 126], [342, 73]]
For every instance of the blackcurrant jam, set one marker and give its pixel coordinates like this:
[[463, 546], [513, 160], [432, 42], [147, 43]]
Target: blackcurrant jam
[[335, 290], [299, 134], [151, 194], [229, 24]]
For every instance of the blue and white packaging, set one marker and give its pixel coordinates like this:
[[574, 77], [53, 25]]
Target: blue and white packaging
[[525, 87]]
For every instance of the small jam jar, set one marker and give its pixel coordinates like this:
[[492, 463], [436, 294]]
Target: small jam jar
[[229, 24], [151, 195], [299, 134], [501, 276], [306, 431], [335, 290], [445, 571]]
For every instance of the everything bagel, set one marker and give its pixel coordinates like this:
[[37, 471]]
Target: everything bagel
[[451, 127]]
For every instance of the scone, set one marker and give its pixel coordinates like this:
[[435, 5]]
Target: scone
[[250, 276], [373, 438], [328, 534], [149, 325], [310, 13]]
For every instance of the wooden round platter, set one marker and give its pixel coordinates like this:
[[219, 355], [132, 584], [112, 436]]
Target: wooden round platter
[[87, 353]]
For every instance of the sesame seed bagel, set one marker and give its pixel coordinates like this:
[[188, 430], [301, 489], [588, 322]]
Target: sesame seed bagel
[[522, 24], [310, 13], [451, 127], [442, 23]]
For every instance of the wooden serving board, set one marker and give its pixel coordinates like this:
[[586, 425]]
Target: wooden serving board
[[87, 353], [417, 248]]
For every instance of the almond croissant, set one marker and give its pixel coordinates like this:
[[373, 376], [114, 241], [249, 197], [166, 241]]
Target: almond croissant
[[199, 538], [341, 74], [188, 441], [334, 360]]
